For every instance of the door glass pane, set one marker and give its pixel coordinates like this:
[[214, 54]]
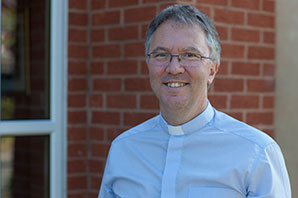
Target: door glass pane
[[24, 59], [24, 167]]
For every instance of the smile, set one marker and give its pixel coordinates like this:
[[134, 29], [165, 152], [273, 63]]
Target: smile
[[175, 84]]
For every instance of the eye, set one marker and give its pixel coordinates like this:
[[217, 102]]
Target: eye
[[190, 56], [160, 55]]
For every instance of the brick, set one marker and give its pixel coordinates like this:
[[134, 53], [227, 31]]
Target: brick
[[77, 100], [77, 84], [157, 1], [269, 5], [76, 166], [260, 85], [204, 9], [94, 194], [97, 133], [99, 150], [77, 51], [144, 68], [264, 118], [76, 133], [134, 49], [245, 68], [114, 132], [121, 101], [261, 20], [247, 35], [105, 117], [106, 18], [76, 117], [113, 84], [96, 166], [123, 67], [96, 100], [76, 35], [260, 52], [251, 4], [214, 2], [133, 118], [106, 51], [228, 85], [269, 70], [77, 68], [77, 19], [130, 14], [149, 102], [77, 150], [98, 5], [123, 33], [97, 68], [232, 51], [223, 68], [268, 102], [97, 35], [229, 16], [76, 182], [76, 194], [137, 84], [218, 101], [222, 32], [143, 31], [269, 37], [244, 101], [95, 185], [77, 4], [236, 115], [117, 3]]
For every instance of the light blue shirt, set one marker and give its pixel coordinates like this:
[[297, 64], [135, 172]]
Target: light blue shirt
[[211, 156]]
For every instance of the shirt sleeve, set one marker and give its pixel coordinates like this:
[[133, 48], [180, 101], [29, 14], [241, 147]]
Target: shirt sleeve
[[268, 176], [105, 190]]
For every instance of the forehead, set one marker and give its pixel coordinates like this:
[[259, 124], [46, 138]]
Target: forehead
[[177, 36]]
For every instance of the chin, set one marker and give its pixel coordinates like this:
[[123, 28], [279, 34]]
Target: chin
[[175, 105]]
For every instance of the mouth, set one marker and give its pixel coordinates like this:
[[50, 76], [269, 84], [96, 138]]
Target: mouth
[[175, 84]]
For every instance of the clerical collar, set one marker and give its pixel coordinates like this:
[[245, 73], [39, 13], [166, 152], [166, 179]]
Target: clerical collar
[[191, 126]]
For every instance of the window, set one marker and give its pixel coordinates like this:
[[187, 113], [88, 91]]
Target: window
[[33, 98]]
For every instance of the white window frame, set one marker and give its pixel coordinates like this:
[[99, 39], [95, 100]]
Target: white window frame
[[56, 126]]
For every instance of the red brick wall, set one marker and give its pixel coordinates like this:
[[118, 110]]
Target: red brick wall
[[108, 86]]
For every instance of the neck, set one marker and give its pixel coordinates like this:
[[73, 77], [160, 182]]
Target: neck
[[180, 116]]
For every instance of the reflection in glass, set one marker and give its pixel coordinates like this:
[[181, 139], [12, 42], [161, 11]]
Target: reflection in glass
[[24, 59], [24, 167]]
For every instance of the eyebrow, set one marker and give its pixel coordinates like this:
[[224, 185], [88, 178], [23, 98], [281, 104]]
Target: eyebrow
[[160, 49], [192, 49]]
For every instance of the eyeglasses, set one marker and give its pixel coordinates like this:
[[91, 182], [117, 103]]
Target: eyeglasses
[[186, 58]]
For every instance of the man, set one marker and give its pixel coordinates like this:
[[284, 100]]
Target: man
[[190, 149]]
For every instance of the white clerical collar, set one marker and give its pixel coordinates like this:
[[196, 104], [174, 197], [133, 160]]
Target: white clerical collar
[[191, 126], [175, 130]]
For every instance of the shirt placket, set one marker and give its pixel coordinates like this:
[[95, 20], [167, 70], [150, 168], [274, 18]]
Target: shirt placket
[[169, 179]]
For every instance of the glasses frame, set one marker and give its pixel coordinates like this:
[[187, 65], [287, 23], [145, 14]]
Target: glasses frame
[[179, 57]]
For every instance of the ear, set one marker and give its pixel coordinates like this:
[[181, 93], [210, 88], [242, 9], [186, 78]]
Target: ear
[[212, 71]]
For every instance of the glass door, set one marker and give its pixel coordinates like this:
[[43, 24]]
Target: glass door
[[33, 99]]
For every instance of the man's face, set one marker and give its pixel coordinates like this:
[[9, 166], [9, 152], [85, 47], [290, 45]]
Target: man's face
[[179, 87]]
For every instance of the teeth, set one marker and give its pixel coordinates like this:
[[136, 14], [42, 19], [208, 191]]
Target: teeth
[[175, 85]]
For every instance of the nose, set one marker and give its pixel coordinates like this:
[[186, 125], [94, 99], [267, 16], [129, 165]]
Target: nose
[[174, 67]]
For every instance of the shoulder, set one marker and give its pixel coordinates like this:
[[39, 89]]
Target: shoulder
[[137, 130], [243, 131]]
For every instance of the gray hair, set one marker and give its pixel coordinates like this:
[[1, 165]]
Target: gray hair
[[186, 14]]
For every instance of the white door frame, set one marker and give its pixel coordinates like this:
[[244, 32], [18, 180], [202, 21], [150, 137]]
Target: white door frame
[[56, 126]]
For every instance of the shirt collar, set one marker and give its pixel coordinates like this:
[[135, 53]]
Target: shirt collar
[[191, 126]]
